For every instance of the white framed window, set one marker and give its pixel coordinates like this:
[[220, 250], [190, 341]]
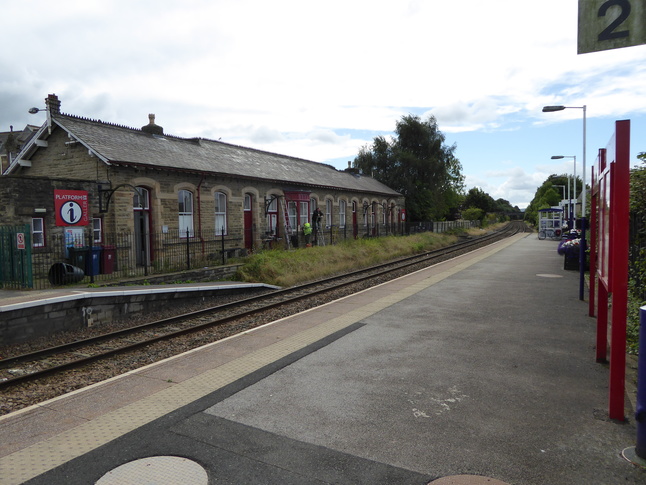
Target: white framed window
[[328, 213], [342, 208], [37, 232], [272, 216], [384, 214], [97, 230], [292, 214], [141, 199], [185, 209], [373, 214], [304, 213], [221, 213]]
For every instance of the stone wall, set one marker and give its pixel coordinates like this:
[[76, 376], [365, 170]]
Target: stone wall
[[66, 159], [92, 309]]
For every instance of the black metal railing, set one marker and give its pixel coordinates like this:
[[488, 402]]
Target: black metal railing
[[121, 256], [77, 258]]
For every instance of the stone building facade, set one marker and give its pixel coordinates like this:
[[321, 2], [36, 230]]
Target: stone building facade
[[145, 182]]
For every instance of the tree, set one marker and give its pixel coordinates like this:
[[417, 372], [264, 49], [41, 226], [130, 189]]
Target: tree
[[547, 195], [417, 164], [478, 198]]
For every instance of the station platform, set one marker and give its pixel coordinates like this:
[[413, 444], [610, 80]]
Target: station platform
[[479, 370], [28, 315], [17, 299]]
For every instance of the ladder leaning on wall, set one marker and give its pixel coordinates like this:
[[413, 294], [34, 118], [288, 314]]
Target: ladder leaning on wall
[[318, 234], [288, 229]]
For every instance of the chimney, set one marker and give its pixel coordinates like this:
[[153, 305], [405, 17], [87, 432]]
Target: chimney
[[151, 127], [53, 104]]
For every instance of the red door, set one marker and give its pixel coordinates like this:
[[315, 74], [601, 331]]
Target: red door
[[248, 222]]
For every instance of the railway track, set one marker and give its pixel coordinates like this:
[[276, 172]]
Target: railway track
[[38, 366]]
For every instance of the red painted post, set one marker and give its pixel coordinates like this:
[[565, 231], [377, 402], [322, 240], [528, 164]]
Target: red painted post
[[620, 213], [594, 208]]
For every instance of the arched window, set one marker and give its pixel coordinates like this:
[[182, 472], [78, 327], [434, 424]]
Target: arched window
[[220, 214], [185, 209], [342, 209], [328, 213]]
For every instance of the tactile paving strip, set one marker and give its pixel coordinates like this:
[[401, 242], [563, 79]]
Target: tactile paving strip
[[34, 460]]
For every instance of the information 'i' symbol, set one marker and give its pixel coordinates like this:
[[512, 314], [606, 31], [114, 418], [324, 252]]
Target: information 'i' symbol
[[71, 212]]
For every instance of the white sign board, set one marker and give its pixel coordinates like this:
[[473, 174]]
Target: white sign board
[[611, 24]]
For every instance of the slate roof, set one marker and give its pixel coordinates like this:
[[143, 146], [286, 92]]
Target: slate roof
[[116, 145], [20, 137]]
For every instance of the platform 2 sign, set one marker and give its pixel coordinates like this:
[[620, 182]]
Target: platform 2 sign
[[71, 207], [611, 24]]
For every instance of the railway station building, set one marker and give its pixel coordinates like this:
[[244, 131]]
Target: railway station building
[[79, 178]]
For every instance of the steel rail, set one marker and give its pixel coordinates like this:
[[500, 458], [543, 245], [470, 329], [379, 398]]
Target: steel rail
[[373, 272]]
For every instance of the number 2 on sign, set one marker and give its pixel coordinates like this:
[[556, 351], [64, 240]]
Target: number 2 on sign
[[610, 31]]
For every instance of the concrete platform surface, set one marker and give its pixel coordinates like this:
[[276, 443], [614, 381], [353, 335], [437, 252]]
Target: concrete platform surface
[[479, 370]]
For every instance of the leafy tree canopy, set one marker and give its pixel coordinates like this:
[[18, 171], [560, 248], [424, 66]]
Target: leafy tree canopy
[[479, 199], [417, 164], [549, 194]]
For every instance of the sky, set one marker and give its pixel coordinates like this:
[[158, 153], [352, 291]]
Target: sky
[[320, 80]]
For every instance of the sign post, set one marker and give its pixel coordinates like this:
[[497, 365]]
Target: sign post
[[611, 189], [610, 24]]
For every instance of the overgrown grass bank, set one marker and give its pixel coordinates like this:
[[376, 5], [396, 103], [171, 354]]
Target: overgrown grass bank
[[289, 268]]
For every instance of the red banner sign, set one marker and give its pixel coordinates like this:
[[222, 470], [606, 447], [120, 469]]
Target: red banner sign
[[71, 207]]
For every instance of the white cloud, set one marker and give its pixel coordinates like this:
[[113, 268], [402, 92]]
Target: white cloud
[[318, 80]]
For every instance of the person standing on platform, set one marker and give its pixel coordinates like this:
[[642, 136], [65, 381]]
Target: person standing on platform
[[307, 232]]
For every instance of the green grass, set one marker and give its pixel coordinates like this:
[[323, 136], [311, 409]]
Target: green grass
[[293, 267]]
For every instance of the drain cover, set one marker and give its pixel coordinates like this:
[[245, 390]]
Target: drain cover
[[160, 470]]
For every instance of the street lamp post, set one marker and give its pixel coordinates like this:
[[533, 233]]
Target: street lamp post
[[550, 109], [571, 212]]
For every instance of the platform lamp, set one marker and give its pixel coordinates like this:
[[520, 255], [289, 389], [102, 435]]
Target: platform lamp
[[571, 212], [550, 109]]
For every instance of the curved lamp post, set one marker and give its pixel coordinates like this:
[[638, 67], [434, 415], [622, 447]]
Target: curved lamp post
[[550, 109]]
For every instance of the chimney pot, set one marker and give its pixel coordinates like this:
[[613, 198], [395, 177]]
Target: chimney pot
[[151, 127]]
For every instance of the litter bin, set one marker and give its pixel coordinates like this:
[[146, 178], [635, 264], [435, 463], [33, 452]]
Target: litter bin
[[93, 260], [78, 257], [64, 274], [107, 260], [294, 240]]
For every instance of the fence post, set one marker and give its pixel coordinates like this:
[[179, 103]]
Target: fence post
[[222, 239], [188, 249], [637, 454], [640, 412]]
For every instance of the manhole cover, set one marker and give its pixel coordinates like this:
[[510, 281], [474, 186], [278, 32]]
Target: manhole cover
[[160, 470]]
